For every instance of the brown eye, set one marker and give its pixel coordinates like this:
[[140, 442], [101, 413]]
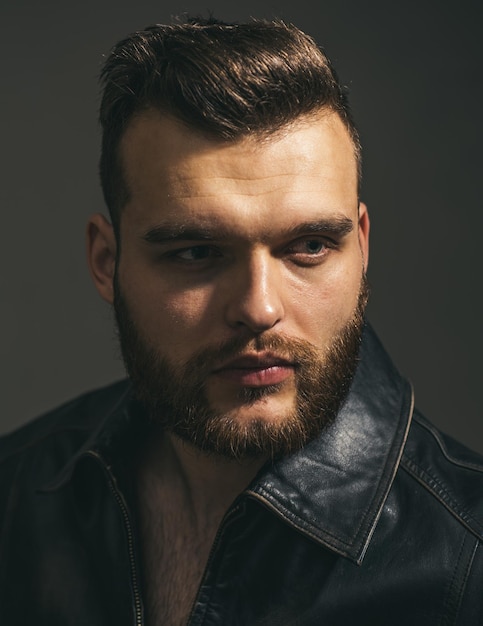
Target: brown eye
[[195, 253]]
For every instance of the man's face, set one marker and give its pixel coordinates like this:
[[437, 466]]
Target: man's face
[[240, 281]]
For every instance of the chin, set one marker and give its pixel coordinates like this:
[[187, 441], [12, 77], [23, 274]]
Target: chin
[[265, 404]]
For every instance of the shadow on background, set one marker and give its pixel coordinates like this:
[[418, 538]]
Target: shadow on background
[[414, 74]]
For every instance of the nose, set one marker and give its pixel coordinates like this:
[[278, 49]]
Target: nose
[[254, 295]]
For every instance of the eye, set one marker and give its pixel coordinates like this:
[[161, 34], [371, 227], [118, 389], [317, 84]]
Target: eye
[[309, 245], [194, 254], [309, 250], [313, 246]]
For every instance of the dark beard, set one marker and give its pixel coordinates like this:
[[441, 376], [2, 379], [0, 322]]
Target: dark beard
[[175, 397]]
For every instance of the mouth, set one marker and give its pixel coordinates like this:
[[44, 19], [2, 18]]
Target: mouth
[[256, 370]]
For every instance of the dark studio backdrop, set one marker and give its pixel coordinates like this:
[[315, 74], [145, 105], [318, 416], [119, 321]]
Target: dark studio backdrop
[[414, 70]]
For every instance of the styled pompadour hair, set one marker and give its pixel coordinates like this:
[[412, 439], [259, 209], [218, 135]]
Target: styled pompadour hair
[[226, 80]]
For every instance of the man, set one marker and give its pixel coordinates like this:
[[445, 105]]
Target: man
[[263, 463]]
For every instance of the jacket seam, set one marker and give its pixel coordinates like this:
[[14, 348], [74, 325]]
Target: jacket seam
[[447, 605], [34, 442], [69, 408], [471, 466], [465, 578], [453, 601], [406, 417], [434, 486]]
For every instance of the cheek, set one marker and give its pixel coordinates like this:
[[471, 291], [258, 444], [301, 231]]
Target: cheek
[[321, 308], [167, 316]]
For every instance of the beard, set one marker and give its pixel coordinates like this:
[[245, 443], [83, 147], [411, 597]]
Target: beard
[[175, 396]]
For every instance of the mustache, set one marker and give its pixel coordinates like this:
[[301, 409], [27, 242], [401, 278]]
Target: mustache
[[297, 351]]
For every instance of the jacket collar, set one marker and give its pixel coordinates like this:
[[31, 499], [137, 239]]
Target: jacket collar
[[335, 488], [115, 432]]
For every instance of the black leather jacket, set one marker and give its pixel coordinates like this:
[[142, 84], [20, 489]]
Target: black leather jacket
[[379, 522]]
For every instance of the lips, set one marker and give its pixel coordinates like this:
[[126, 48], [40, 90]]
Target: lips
[[256, 370]]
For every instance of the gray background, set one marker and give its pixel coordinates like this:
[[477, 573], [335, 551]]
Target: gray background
[[415, 76]]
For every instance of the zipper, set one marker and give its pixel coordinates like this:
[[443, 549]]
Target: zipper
[[227, 519], [138, 607]]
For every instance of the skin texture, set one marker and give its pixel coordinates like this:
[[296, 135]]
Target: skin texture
[[277, 243]]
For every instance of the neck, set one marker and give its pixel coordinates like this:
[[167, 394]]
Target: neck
[[206, 484]]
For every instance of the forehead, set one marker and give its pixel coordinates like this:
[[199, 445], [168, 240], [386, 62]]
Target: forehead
[[171, 168]]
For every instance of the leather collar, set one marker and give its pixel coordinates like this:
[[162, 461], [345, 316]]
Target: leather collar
[[335, 488]]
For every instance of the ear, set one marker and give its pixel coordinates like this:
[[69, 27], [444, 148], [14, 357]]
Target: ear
[[364, 228], [101, 255]]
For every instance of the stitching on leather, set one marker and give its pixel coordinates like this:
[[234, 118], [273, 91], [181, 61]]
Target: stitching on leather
[[450, 604], [38, 440], [300, 524], [405, 416], [434, 433], [439, 491], [60, 429], [465, 580]]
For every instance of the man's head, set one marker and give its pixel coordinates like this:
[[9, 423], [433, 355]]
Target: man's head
[[236, 266]]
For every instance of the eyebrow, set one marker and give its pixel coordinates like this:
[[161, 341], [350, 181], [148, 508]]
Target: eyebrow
[[178, 232], [338, 226]]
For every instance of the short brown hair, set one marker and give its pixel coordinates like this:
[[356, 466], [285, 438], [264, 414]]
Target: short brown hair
[[227, 80]]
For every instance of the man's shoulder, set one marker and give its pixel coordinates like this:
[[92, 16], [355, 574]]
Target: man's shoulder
[[448, 470], [75, 419]]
